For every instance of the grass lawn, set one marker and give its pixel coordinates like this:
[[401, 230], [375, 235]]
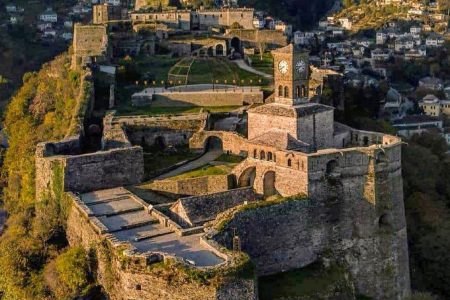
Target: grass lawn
[[265, 65], [312, 282], [156, 160], [230, 158], [208, 170]]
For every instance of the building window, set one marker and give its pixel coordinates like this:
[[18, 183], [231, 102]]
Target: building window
[[289, 162], [255, 153], [269, 156], [280, 91], [138, 287], [286, 92], [262, 155]]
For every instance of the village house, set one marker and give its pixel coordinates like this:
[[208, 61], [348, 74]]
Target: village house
[[48, 16]]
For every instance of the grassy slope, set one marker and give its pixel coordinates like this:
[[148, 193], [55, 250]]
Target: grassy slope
[[43, 109]]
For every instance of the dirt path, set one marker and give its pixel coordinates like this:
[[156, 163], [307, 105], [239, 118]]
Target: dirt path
[[242, 65], [201, 161]]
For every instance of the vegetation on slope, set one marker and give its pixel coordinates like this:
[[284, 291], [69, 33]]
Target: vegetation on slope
[[45, 108]]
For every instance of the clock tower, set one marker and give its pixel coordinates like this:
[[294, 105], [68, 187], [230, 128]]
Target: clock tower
[[291, 67]]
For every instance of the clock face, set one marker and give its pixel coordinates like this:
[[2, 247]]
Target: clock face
[[300, 66], [283, 67]]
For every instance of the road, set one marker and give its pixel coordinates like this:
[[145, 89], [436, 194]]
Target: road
[[195, 164], [241, 64], [2, 220]]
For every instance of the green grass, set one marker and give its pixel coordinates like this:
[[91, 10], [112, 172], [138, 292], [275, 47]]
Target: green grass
[[208, 170], [155, 160], [310, 282], [265, 65], [229, 158]]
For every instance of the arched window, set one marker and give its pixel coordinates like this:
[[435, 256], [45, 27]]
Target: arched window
[[255, 153], [298, 92], [269, 156], [262, 155], [289, 162], [286, 92], [280, 91], [304, 91]]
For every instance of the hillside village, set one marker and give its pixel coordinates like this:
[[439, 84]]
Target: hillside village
[[213, 147]]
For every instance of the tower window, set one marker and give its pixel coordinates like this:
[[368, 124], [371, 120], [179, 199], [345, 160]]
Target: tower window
[[298, 92], [280, 91], [286, 92], [289, 163]]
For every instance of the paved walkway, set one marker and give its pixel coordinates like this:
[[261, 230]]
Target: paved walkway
[[2, 220], [241, 64], [201, 161]]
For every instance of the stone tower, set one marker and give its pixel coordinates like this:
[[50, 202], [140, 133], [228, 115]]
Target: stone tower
[[291, 75]]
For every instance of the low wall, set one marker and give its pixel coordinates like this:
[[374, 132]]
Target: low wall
[[195, 186], [232, 97], [128, 275]]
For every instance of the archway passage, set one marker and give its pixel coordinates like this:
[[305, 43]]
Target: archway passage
[[160, 143], [213, 143], [269, 184], [247, 178], [219, 50], [236, 44]]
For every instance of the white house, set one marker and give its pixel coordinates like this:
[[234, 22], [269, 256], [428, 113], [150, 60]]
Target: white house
[[434, 40], [11, 8], [381, 38], [113, 2], [258, 23], [49, 16]]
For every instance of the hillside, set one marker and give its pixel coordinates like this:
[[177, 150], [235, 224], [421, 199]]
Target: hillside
[[46, 107], [299, 13]]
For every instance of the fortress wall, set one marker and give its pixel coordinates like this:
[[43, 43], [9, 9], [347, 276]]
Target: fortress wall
[[254, 36], [232, 142], [355, 214], [318, 128], [195, 186], [129, 276], [102, 170], [282, 123], [230, 98]]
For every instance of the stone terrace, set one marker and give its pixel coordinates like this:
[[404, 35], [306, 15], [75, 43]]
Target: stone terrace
[[122, 214]]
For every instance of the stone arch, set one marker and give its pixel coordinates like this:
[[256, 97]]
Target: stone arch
[[210, 52], [286, 92], [213, 143], [220, 50], [236, 44], [269, 179], [280, 91], [332, 167], [385, 221], [262, 155], [247, 177], [160, 142]]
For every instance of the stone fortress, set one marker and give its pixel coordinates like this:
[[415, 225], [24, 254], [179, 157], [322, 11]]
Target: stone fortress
[[339, 198]]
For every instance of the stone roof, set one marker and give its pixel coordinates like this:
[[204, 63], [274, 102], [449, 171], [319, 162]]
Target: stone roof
[[301, 110], [280, 139], [289, 49]]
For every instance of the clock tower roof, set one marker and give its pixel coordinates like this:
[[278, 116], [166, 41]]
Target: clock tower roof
[[291, 48]]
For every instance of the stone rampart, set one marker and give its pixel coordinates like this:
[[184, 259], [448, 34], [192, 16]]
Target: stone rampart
[[168, 130], [354, 211], [125, 273], [255, 36], [195, 186], [209, 96]]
